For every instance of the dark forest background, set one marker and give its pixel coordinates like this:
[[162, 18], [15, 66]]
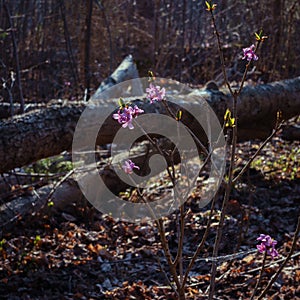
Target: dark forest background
[[57, 49]]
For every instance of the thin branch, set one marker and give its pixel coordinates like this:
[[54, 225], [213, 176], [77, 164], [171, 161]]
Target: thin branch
[[16, 56], [260, 276], [70, 173], [268, 139], [231, 167], [221, 55], [88, 26], [272, 264], [167, 252], [69, 43], [235, 94], [107, 25], [224, 206], [164, 241], [201, 244]]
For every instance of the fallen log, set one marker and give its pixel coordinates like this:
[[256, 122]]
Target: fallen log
[[291, 133], [48, 129], [5, 109], [67, 192], [126, 70], [39, 134]]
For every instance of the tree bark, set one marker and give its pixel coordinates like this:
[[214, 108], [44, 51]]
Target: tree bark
[[68, 191], [47, 132]]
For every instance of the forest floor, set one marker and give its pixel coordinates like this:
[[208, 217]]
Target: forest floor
[[87, 255]]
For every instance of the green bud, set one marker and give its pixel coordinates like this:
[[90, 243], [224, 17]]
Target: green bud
[[121, 103], [178, 115], [229, 121]]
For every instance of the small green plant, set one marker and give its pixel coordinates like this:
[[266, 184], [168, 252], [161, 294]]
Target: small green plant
[[283, 166], [50, 204], [2, 243], [50, 166], [37, 240]]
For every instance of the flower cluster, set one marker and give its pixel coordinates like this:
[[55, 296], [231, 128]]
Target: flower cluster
[[125, 115], [128, 166], [249, 53], [155, 93], [267, 245]]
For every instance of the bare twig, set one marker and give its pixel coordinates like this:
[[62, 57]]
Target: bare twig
[[10, 95], [183, 16], [260, 276], [231, 167], [164, 241], [69, 43], [70, 173], [16, 56], [88, 25], [201, 244], [221, 55], [235, 94], [167, 252], [107, 25], [271, 264], [166, 275], [267, 140]]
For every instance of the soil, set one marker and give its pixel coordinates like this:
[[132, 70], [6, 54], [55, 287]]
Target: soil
[[88, 255]]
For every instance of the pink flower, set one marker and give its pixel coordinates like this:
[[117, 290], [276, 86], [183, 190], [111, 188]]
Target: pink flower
[[273, 252], [128, 166], [261, 248], [136, 111], [249, 53], [125, 116], [267, 245], [155, 93]]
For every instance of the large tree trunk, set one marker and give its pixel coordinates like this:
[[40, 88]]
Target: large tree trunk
[[49, 131]]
